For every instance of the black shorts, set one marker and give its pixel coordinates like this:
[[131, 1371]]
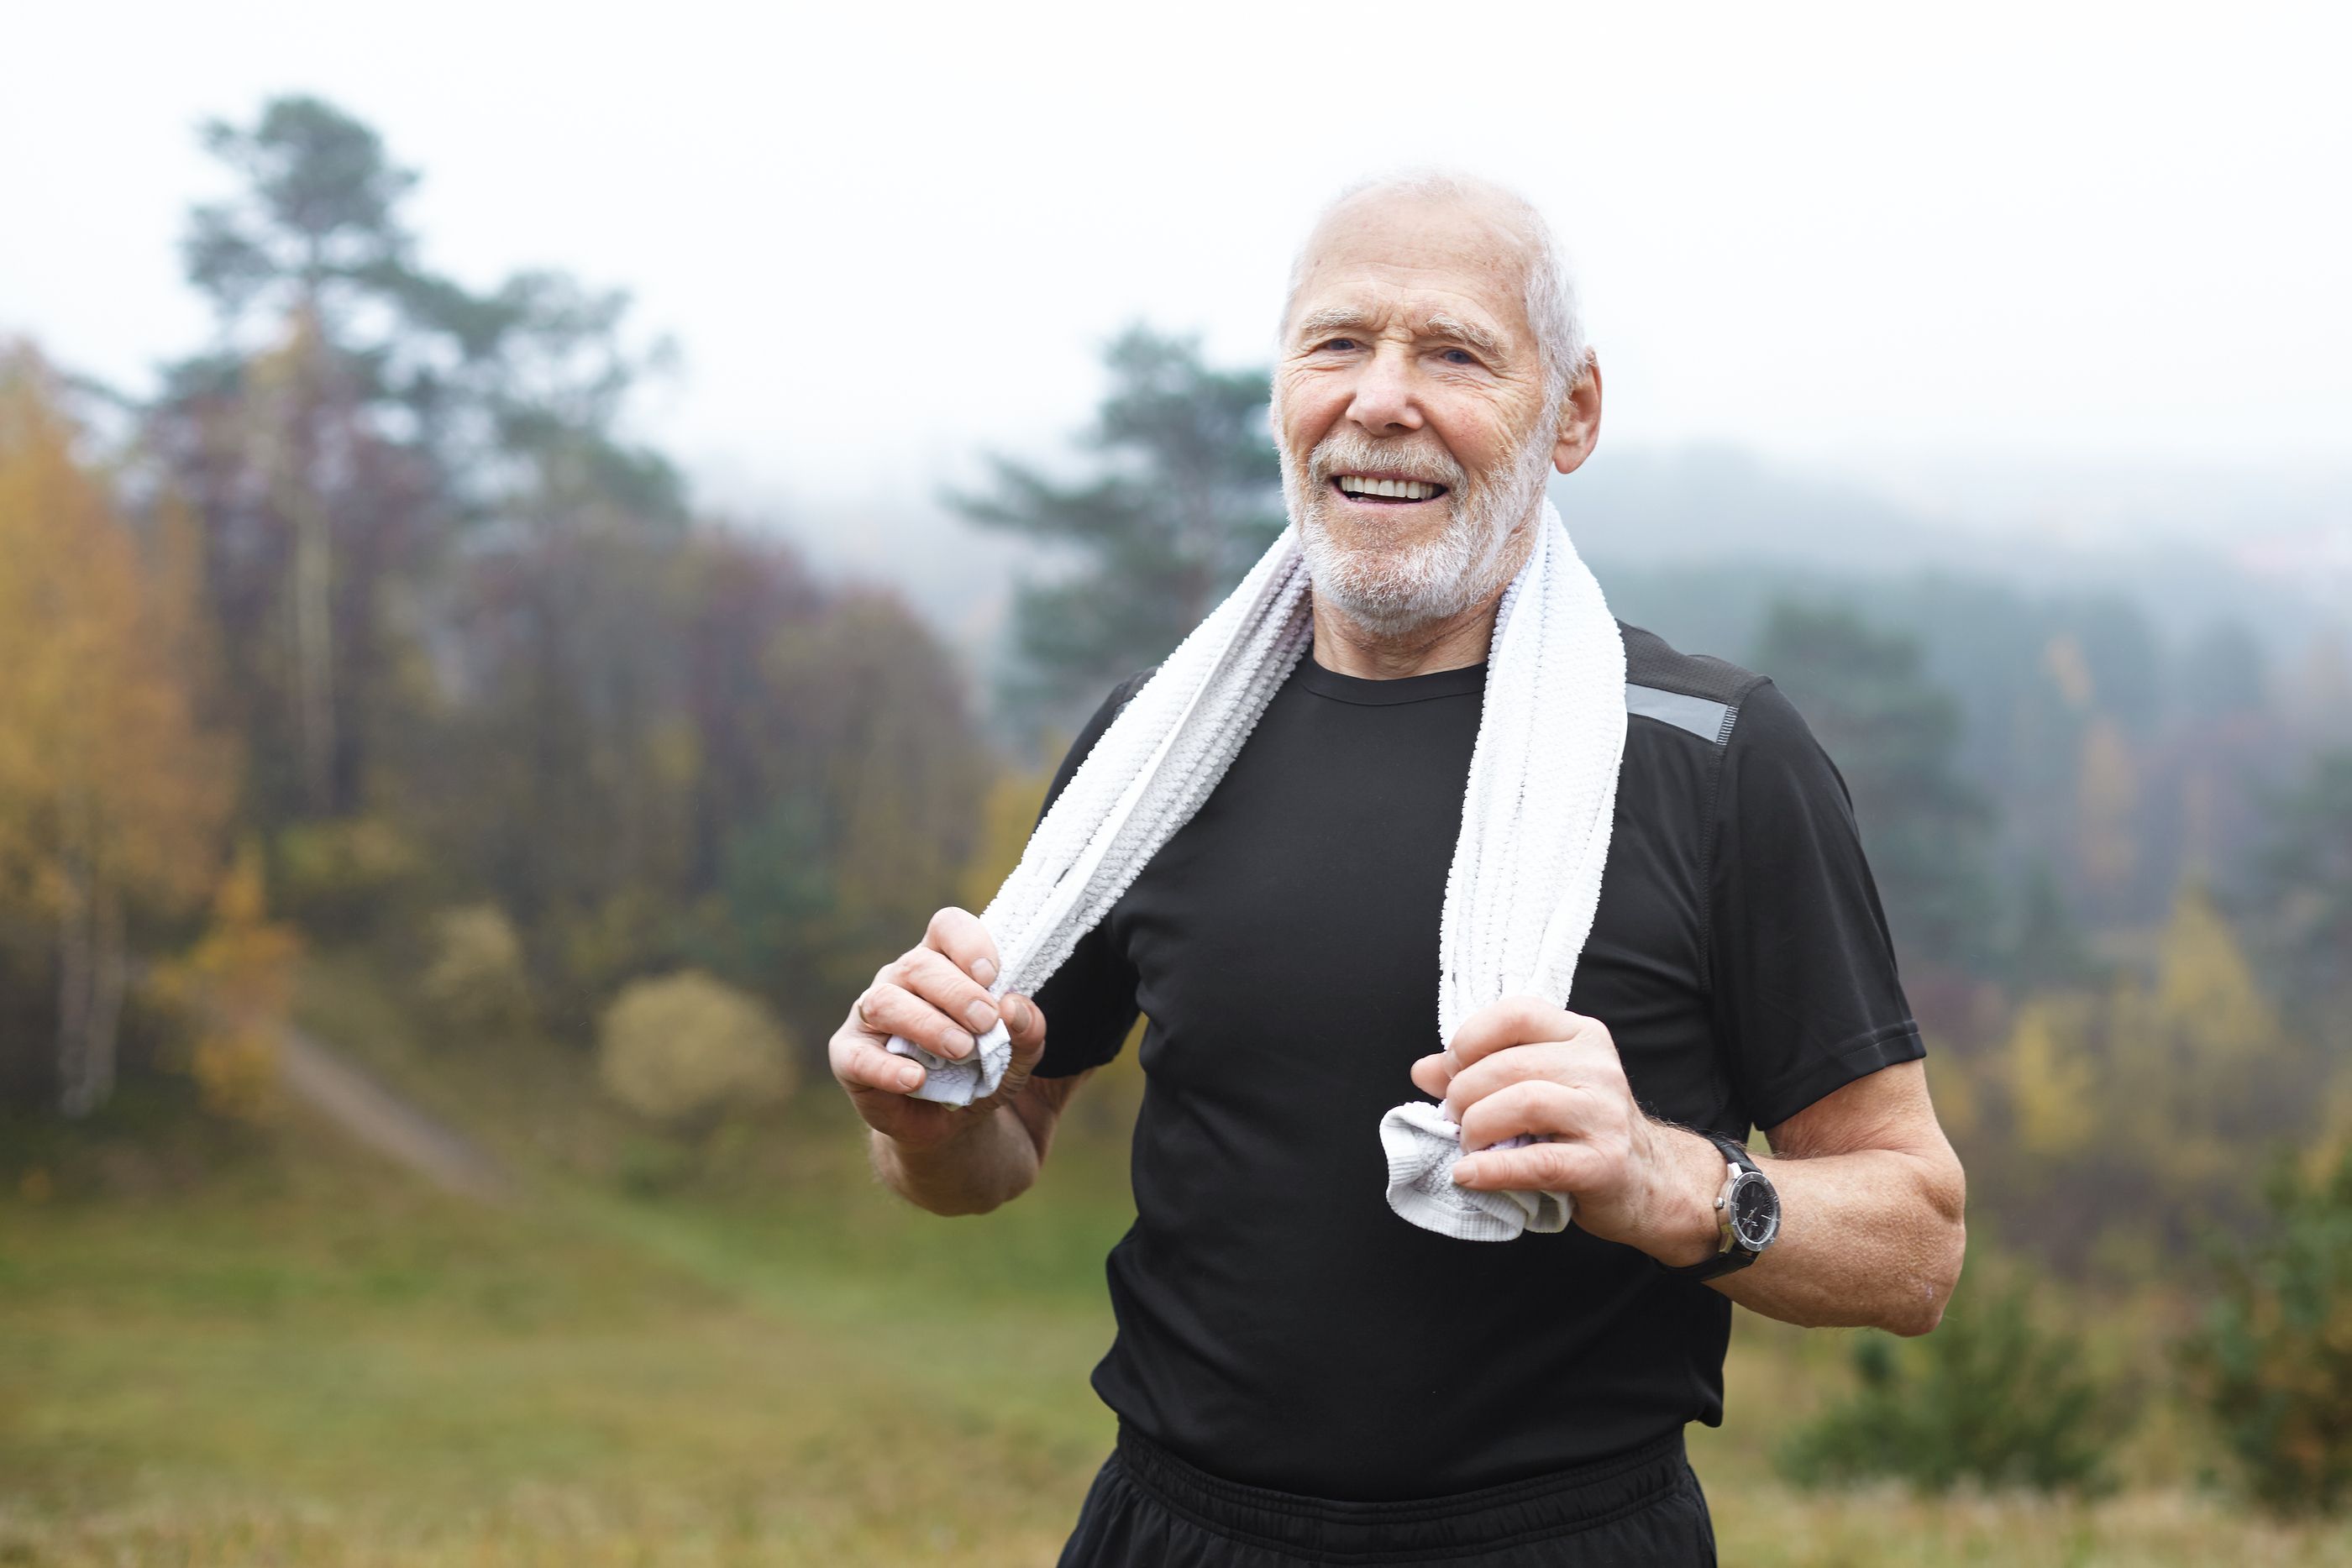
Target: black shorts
[[1148, 1509]]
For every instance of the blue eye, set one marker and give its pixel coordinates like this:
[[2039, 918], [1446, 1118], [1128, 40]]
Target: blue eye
[[1460, 356], [1340, 343]]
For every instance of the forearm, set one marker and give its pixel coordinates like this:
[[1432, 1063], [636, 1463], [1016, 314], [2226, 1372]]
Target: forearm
[[1872, 1238], [988, 1162]]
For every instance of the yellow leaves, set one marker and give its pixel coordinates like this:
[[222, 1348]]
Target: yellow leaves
[[101, 759], [235, 986], [686, 1050], [476, 979], [2168, 1075], [2204, 983], [2054, 1078], [2107, 794]]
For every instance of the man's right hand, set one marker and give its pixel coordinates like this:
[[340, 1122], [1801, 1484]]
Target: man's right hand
[[936, 995]]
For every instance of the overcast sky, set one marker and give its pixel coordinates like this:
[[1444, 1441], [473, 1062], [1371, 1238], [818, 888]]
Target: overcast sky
[[886, 236]]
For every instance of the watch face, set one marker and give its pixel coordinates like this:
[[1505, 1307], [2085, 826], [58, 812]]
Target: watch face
[[1755, 1211]]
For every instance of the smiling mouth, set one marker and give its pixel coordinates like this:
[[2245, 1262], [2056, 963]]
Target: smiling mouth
[[1386, 492]]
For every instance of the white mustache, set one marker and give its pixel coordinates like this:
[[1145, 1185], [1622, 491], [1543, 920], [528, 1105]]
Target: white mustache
[[1347, 453]]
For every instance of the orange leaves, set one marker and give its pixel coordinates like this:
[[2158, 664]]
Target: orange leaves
[[102, 761]]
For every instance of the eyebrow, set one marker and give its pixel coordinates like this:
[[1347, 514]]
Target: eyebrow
[[1333, 318], [1438, 324]]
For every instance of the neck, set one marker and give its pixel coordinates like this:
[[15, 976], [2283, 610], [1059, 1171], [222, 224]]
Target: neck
[[1346, 646]]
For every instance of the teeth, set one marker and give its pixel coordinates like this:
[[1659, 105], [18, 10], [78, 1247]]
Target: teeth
[[1399, 489]]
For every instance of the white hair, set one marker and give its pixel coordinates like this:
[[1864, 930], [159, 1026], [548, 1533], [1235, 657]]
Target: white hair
[[1551, 303]]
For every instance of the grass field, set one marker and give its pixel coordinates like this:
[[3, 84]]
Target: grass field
[[277, 1352]]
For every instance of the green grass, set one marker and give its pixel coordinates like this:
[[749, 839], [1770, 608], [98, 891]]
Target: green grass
[[273, 1350]]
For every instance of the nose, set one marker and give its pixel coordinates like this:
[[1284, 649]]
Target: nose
[[1384, 403]]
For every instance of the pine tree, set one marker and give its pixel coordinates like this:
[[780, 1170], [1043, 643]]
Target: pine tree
[[1185, 494]]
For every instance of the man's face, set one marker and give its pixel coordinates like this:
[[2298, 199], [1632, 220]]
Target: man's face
[[1406, 405]]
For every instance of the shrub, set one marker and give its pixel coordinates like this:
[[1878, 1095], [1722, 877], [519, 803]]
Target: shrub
[[2272, 1365], [685, 1050], [1992, 1397], [341, 876], [234, 991], [477, 975]]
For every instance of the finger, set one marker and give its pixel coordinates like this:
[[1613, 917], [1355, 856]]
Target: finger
[[1536, 1167], [934, 978], [886, 1009], [1538, 1106], [1024, 1022], [1580, 1064], [958, 935], [1024, 1026], [1514, 1020], [1432, 1074], [859, 1064]]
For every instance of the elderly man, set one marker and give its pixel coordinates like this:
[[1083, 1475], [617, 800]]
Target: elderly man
[[1299, 1374]]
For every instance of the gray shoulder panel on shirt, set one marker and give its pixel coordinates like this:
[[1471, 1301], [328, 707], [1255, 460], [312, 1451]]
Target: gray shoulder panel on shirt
[[1693, 691], [1707, 720]]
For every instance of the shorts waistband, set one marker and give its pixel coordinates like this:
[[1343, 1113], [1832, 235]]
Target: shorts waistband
[[1333, 1530]]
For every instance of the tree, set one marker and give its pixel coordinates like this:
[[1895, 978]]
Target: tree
[[2273, 1362], [112, 795], [2137, 1104], [1894, 735], [2305, 872], [357, 412], [1993, 1396], [1185, 494]]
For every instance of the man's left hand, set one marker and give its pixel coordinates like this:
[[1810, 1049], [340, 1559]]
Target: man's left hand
[[1523, 1065]]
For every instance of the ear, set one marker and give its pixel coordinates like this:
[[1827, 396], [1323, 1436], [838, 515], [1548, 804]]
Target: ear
[[1580, 421]]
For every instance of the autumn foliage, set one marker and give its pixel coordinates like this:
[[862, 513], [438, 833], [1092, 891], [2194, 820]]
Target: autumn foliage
[[113, 792]]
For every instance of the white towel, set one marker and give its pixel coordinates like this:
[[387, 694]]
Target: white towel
[[1526, 877]]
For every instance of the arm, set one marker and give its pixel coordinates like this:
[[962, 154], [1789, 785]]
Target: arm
[[949, 1159], [1871, 1193]]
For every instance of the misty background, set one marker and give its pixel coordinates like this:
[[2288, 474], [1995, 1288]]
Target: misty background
[[538, 544]]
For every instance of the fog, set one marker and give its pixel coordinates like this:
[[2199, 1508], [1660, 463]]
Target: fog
[[2076, 271]]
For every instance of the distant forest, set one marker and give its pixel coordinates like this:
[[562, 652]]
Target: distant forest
[[372, 631]]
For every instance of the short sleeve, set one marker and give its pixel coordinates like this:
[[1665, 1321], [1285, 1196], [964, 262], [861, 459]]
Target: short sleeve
[[1089, 1002], [1805, 992]]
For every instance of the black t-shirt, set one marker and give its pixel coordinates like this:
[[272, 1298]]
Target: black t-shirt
[[1279, 1324]]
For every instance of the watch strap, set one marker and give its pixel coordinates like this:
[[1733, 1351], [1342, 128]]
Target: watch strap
[[1736, 1253]]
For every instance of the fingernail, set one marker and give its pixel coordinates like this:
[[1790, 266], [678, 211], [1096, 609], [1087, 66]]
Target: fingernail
[[980, 1016], [1016, 1013], [961, 1046], [911, 1078], [1462, 1173], [984, 971]]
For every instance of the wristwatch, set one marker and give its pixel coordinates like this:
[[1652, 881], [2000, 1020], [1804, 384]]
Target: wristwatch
[[1747, 1215]]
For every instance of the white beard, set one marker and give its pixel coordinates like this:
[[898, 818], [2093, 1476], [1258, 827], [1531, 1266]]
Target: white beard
[[1392, 591]]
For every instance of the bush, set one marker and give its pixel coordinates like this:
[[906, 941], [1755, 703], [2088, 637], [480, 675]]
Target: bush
[[341, 876], [1992, 1397], [477, 977], [2273, 1363], [687, 1050]]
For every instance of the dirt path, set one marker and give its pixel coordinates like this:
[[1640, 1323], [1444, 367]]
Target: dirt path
[[315, 1076]]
